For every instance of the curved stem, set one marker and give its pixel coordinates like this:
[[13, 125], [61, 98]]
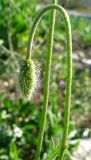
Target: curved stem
[[37, 20], [46, 81], [69, 67]]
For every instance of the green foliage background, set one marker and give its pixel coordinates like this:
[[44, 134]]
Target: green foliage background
[[19, 119]]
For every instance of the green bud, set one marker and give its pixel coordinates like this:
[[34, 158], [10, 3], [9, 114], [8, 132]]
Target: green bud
[[27, 77]]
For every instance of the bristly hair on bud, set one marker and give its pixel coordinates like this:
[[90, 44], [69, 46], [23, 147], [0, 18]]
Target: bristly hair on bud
[[27, 78]]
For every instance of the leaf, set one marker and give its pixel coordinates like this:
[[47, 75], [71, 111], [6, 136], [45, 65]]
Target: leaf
[[14, 152], [53, 150]]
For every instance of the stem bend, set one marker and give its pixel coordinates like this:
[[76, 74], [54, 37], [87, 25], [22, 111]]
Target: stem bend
[[68, 62], [37, 20]]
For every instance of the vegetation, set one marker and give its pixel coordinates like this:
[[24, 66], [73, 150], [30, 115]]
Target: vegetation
[[19, 119]]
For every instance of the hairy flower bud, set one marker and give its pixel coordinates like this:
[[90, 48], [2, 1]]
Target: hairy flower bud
[[27, 77]]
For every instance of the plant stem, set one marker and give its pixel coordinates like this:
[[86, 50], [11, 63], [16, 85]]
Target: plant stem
[[46, 82], [68, 90], [69, 68]]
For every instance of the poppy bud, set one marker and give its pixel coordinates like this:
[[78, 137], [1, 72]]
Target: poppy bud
[[27, 77]]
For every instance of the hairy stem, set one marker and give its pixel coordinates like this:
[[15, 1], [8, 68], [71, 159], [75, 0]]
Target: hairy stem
[[47, 79], [37, 20], [69, 67], [68, 89]]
